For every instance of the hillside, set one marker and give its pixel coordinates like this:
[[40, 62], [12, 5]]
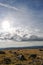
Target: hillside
[[21, 57]]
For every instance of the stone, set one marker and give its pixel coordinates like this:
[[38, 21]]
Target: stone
[[21, 57]]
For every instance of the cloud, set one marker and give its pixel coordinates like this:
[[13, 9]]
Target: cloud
[[20, 34], [16, 37], [8, 6], [28, 18]]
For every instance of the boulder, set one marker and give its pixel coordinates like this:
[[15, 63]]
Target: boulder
[[21, 57], [33, 56], [2, 52]]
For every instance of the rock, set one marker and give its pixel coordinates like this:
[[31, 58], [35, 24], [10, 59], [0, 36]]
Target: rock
[[14, 53], [39, 57], [33, 56], [40, 49], [7, 61], [21, 57], [2, 52]]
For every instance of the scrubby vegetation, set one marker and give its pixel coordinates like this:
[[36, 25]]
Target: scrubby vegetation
[[21, 57]]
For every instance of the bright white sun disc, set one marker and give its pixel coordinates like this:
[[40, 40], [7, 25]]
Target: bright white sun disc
[[6, 25]]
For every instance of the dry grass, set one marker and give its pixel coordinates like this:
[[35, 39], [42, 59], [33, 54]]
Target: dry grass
[[28, 57]]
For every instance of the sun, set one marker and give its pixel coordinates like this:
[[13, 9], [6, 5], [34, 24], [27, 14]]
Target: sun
[[5, 25]]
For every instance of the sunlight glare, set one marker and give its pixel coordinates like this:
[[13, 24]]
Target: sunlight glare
[[6, 25]]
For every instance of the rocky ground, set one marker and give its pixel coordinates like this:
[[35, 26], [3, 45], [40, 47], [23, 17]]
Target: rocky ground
[[21, 57]]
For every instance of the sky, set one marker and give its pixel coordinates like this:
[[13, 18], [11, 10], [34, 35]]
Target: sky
[[22, 17]]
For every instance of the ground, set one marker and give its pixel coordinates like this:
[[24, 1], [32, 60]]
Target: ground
[[21, 57]]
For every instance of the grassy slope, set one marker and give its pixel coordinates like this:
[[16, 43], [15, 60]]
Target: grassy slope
[[14, 60]]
